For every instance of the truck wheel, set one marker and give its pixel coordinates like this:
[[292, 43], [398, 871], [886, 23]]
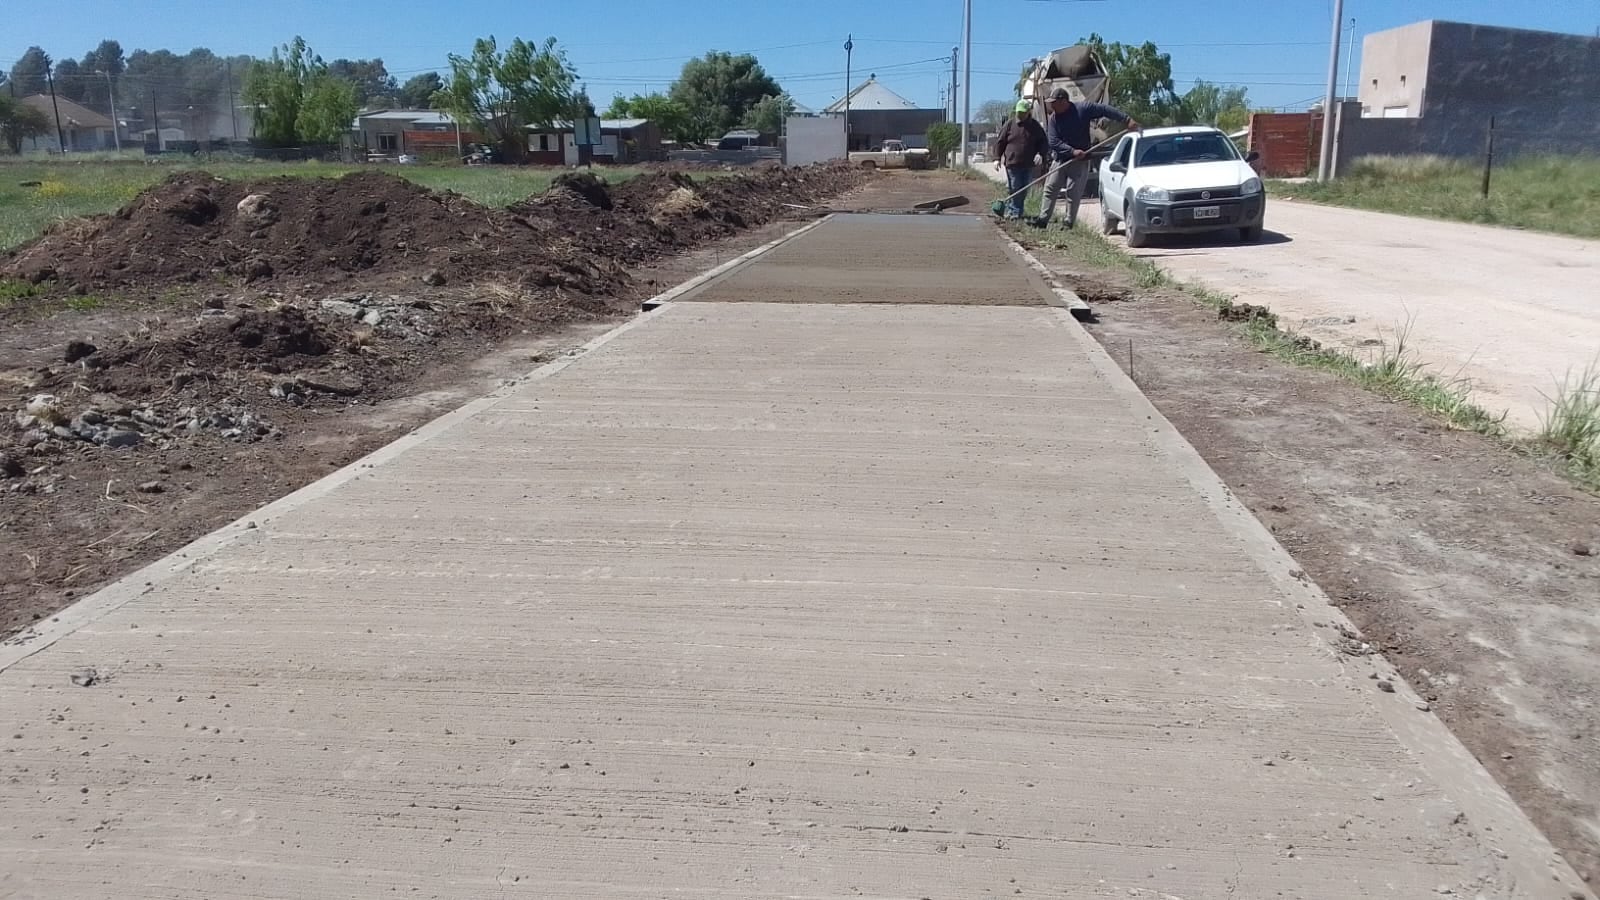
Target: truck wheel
[[868, 164], [1250, 235], [1108, 221]]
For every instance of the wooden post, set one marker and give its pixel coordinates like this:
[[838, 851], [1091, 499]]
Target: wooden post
[[1488, 159]]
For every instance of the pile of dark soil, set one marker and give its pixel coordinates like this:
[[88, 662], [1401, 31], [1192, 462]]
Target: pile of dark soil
[[194, 228]]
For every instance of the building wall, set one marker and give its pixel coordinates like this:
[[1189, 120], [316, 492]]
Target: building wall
[[869, 128], [813, 139], [1542, 88], [1394, 69]]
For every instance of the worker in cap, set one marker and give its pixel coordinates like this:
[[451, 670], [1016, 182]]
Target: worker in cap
[[1021, 142], [1070, 143]]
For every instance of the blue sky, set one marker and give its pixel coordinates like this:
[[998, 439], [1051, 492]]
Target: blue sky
[[1278, 48]]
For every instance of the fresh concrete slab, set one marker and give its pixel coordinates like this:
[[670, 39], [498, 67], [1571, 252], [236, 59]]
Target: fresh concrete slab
[[751, 600], [882, 258]]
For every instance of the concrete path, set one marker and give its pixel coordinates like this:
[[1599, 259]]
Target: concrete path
[[749, 600]]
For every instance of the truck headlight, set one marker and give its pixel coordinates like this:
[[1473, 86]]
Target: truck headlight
[[1155, 195], [1250, 186]]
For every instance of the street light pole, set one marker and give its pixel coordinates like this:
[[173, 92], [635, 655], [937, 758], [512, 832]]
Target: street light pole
[[849, 50], [1325, 163], [111, 101], [1350, 62], [966, 77]]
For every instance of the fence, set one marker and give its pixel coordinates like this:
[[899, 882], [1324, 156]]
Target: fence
[[1289, 143]]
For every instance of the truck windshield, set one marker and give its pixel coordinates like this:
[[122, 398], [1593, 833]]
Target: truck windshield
[[1175, 149]]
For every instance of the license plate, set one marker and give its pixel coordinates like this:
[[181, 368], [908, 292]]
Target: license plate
[[1208, 212]]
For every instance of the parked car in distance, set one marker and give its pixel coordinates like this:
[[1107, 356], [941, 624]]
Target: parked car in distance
[[892, 155], [739, 140], [1182, 180]]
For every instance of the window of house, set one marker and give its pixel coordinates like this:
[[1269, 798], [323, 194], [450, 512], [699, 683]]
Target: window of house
[[388, 143]]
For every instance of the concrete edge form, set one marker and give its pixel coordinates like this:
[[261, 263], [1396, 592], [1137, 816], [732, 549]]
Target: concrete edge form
[[1517, 842], [1064, 296], [710, 275]]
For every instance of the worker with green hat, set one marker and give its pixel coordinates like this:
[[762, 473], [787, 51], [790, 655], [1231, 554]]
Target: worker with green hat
[[1022, 140]]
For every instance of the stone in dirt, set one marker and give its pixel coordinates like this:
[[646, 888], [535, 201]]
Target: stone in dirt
[[86, 678], [77, 350], [152, 487], [435, 278]]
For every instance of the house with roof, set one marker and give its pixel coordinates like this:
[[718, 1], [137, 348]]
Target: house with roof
[[878, 114], [387, 133], [621, 141], [81, 129]]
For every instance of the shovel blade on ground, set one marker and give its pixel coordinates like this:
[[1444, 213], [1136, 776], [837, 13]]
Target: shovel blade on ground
[[943, 203]]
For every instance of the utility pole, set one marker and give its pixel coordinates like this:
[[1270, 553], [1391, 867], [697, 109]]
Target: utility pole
[[849, 50], [966, 78], [50, 79], [155, 118], [111, 103], [955, 55], [1325, 164], [233, 106]]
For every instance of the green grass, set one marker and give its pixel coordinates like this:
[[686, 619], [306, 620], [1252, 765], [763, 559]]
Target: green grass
[[1554, 194], [66, 189], [1570, 431], [12, 290]]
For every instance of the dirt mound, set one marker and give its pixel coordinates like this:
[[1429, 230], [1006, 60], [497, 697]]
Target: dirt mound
[[194, 228]]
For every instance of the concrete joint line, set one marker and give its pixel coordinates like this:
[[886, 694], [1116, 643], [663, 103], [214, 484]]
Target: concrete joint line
[[108, 599], [1531, 867], [707, 277], [1065, 296]]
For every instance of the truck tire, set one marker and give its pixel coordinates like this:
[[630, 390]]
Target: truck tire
[[869, 164]]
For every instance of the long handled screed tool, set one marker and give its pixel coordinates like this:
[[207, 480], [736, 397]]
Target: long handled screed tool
[[999, 206]]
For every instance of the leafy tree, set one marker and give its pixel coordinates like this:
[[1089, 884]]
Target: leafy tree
[[718, 89], [768, 114], [1225, 107], [943, 139], [28, 74], [418, 91], [668, 114], [19, 121], [106, 59], [1141, 79], [69, 80], [153, 78], [297, 100], [501, 93], [374, 86]]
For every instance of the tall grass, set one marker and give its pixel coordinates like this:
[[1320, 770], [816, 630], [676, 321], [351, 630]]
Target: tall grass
[[1571, 429], [1559, 194], [35, 194]]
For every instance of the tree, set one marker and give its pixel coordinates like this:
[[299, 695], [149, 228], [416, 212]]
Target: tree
[[418, 91], [28, 75], [19, 121], [768, 114], [373, 84], [718, 89], [106, 59], [994, 113], [296, 99], [1141, 79], [69, 80], [665, 112], [501, 94], [1224, 107], [943, 139]]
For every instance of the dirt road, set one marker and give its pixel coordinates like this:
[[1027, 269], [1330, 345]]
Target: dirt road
[[1513, 312]]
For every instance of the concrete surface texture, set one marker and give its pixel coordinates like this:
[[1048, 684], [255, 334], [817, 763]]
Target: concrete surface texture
[[1512, 312], [749, 600], [888, 259]]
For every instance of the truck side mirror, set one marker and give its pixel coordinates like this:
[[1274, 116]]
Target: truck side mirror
[[1252, 156], [1118, 167]]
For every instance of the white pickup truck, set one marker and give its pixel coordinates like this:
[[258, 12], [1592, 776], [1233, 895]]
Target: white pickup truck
[[893, 155]]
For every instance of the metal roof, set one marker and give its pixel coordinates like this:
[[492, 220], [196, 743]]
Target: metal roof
[[609, 124], [429, 116], [871, 94]]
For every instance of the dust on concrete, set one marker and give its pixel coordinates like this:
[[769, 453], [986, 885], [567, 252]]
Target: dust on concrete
[[1465, 564]]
